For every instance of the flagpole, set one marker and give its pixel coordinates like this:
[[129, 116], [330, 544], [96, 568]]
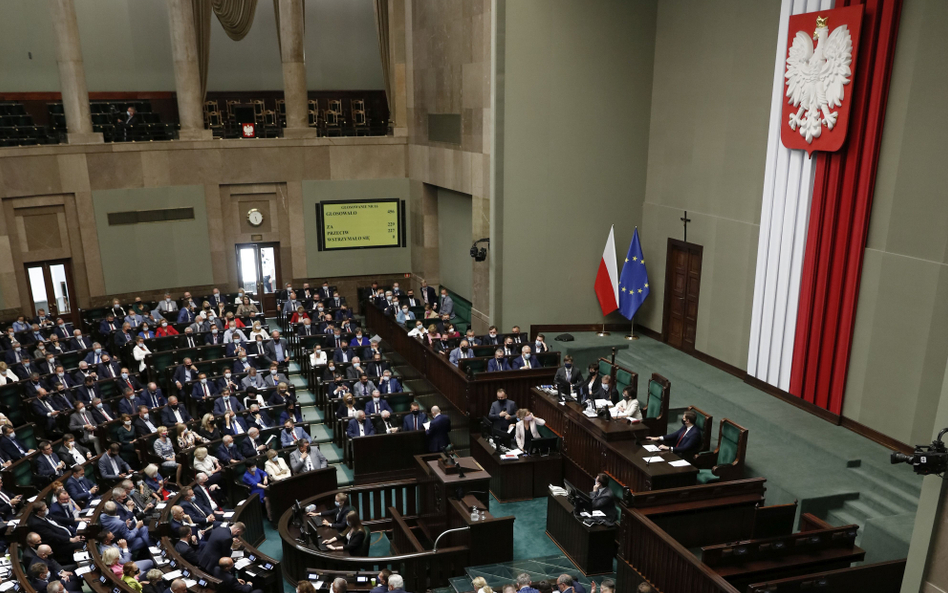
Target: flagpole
[[631, 335], [603, 333]]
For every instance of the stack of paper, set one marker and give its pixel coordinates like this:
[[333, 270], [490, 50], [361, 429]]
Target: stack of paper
[[83, 570], [598, 514], [654, 459], [679, 463], [651, 448], [243, 562], [172, 575]]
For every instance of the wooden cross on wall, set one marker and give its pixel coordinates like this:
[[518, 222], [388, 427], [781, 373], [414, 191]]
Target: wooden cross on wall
[[685, 220]]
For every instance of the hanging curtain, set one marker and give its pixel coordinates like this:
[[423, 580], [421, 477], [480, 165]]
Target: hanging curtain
[[236, 16], [381, 25]]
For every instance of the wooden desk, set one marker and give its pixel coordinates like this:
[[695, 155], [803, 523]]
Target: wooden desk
[[283, 493], [436, 488], [356, 581], [522, 479], [489, 539], [592, 549], [385, 456], [592, 445]]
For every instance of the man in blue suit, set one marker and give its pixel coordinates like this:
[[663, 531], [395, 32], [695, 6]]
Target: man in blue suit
[[686, 441], [202, 516], [377, 405], [226, 403], [186, 315], [203, 388], [136, 536], [243, 363], [228, 451], [526, 360], [13, 448], [219, 545], [128, 404], [438, 430], [343, 353], [414, 420], [359, 426], [108, 325], [79, 487], [112, 466], [152, 397], [174, 413], [47, 464], [237, 424], [498, 363], [291, 434], [389, 384]]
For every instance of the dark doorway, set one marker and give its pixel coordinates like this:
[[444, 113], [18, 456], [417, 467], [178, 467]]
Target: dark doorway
[[51, 289], [682, 285]]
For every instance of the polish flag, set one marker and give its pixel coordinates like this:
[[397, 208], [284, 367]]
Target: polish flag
[[607, 278]]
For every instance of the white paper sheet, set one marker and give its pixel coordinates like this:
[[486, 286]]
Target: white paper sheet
[[83, 570], [679, 463], [651, 448], [654, 459]]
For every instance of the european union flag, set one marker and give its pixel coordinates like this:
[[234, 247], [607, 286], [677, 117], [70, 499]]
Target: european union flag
[[633, 281]]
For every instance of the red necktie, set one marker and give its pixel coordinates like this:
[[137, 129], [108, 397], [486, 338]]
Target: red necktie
[[681, 437]]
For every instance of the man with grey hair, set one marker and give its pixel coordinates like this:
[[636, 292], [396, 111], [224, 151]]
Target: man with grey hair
[[524, 583], [44, 555], [396, 583], [339, 585], [178, 586], [134, 533], [564, 583], [437, 431], [55, 587]]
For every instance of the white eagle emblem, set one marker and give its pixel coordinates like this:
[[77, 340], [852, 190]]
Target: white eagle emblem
[[815, 77]]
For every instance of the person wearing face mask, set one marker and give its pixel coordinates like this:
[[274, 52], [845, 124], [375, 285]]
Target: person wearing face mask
[[127, 380], [253, 379], [498, 363], [139, 352], [282, 395], [684, 442], [145, 331], [292, 434], [174, 413], [377, 405], [389, 384], [629, 406], [128, 404], [152, 397], [443, 345], [330, 371], [352, 538], [112, 465], [101, 412], [502, 412], [419, 331], [15, 354], [463, 351], [144, 424], [165, 329], [274, 377], [318, 357], [257, 418], [213, 337], [6, 375], [404, 315], [167, 305], [363, 386], [72, 453], [526, 360], [527, 428], [203, 388], [336, 516], [108, 368], [82, 423], [306, 328], [539, 345], [568, 379], [226, 403]]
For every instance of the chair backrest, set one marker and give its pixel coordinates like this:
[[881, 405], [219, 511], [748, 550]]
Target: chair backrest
[[703, 422], [656, 394], [366, 542], [656, 405], [335, 105], [605, 368], [626, 378], [732, 443]]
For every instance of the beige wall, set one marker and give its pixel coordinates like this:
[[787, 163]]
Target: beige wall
[[218, 178], [710, 107], [900, 345], [454, 241], [126, 46], [578, 90], [448, 57]]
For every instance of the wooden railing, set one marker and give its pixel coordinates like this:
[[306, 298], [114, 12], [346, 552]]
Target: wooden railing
[[664, 562]]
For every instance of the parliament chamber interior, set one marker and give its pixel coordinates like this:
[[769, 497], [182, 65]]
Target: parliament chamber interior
[[480, 296]]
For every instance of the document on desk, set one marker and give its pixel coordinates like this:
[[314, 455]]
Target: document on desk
[[80, 556], [651, 448], [236, 553], [598, 514], [654, 459], [172, 575], [679, 463], [318, 584], [243, 562], [603, 403], [228, 514], [83, 569], [7, 585]]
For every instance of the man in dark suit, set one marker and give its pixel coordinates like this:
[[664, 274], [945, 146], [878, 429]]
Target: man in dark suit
[[438, 430], [185, 545], [415, 419], [428, 294], [58, 536], [152, 397], [42, 408], [219, 545], [343, 354], [257, 418], [144, 423], [603, 499], [229, 582], [203, 388], [109, 368], [185, 373], [359, 426], [336, 516], [80, 488], [47, 464], [684, 442], [64, 510], [526, 360], [607, 390], [228, 452], [498, 363], [9, 504], [174, 413], [568, 378], [277, 349], [503, 412], [111, 464], [101, 411], [253, 445], [12, 446], [79, 342], [226, 403], [493, 337]]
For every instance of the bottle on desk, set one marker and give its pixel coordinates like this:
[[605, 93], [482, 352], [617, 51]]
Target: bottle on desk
[[474, 514]]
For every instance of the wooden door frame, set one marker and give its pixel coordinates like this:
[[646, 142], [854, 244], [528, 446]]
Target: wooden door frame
[[73, 315], [689, 248], [278, 276]]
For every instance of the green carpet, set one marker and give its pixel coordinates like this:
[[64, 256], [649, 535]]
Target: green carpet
[[803, 457], [530, 538]]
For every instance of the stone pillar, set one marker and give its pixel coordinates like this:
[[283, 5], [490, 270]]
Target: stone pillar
[[292, 55], [72, 74], [187, 78]]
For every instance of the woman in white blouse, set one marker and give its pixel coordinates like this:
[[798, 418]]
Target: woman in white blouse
[[140, 351], [6, 375], [258, 331], [629, 406], [526, 421], [207, 463], [318, 357], [276, 467]]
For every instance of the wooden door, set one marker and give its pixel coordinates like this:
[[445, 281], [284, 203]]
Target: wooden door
[[682, 287], [52, 290], [258, 271]]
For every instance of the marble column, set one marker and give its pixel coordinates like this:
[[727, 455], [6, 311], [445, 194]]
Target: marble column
[[292, 54], [72, 74], [187, 78]]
